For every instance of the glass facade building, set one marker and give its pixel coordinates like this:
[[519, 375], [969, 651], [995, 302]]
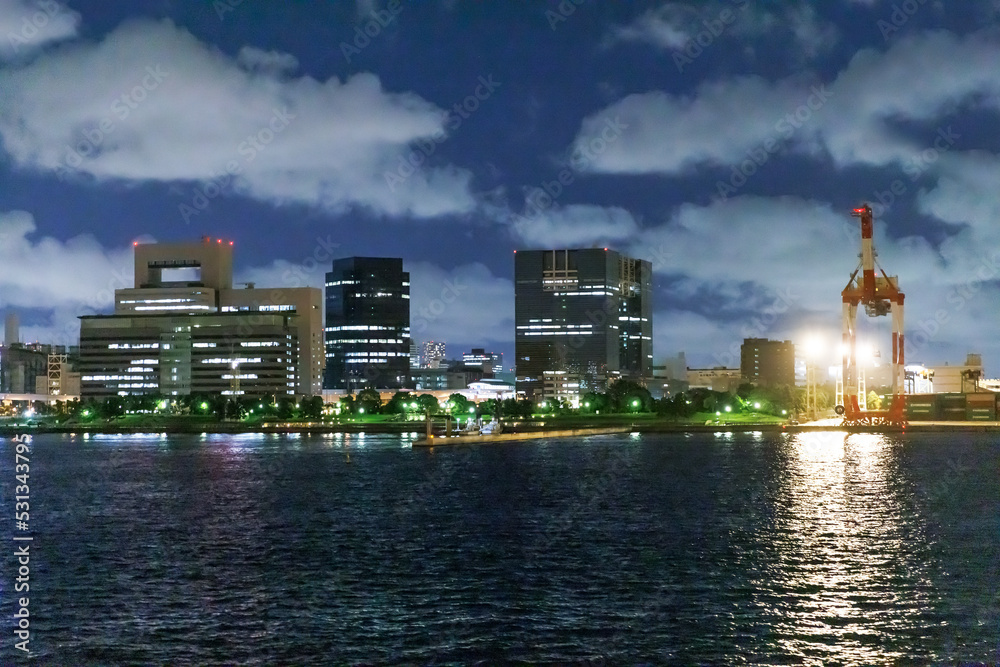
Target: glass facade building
[[367, 324], [585, 313]]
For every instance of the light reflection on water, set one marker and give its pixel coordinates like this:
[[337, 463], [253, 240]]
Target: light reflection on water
[[838, 511], [667, 549]]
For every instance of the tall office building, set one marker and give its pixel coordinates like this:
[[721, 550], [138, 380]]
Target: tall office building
[[584, 315], [767, 363], [183, 329], [367, 324]]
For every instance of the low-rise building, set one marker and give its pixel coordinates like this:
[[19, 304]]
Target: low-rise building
[[183, 329]]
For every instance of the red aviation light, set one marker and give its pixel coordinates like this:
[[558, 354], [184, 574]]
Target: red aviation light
[[230, 243]]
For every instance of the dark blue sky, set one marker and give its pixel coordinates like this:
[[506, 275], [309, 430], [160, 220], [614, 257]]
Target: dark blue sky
[[725, 141]]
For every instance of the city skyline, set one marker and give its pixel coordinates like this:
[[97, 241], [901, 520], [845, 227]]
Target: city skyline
[[723, 142]]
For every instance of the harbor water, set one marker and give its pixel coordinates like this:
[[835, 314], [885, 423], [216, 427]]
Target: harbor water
[[808, 548]]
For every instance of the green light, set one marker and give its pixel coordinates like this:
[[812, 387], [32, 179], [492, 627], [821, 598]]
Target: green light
[[586, 404], [635, 403], [161, 405], [204, 406], [728, 409], [86, 413], [361, 411]]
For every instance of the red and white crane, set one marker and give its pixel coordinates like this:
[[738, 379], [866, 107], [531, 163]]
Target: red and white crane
[[880, 296]]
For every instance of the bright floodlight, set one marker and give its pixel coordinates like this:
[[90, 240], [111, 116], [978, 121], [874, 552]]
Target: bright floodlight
[[728, 409], [813, 347], [756, 406]]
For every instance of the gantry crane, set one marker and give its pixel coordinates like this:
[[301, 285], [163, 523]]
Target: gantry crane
[[880, 296]]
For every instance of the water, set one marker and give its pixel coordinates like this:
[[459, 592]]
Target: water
[[666, 549]]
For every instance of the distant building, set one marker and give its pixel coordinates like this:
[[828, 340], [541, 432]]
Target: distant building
[[432, 354], [11, 333], [767, 363], [20, 365], [367, 324], [584, 312], [959, 379], [456, 376], [490, 362], [717, 379], [184, 330]]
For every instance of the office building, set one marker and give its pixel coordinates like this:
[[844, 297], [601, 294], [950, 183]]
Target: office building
[[490, 362], [367, 324], [586, 313], [183, 329], [767, 363], [432, 353]]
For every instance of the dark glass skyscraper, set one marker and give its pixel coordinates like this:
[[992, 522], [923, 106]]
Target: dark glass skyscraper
[[582, 317], [367, 324]]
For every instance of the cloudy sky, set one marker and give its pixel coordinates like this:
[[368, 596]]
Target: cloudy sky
[[724, 140]]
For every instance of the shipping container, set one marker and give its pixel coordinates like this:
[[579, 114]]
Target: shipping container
[[922, 407]]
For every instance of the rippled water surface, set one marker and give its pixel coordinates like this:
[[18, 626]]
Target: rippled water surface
[[666, 549]]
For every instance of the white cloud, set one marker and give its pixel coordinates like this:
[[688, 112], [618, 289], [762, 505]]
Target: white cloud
[[151, 102], [573, 226], [853, 119], [69, 278], [680, 26], [252, 58], [26, 27]]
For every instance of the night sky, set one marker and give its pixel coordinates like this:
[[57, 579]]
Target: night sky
[[726, 141]]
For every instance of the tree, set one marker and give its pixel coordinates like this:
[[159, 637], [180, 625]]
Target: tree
[[623, 394], [428, 403], [311, 407], [286, 406], [593, 402], [399, 403], [369, 400], [460, 404]]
